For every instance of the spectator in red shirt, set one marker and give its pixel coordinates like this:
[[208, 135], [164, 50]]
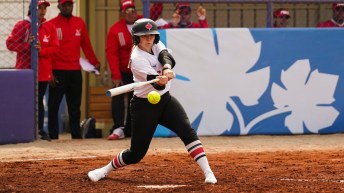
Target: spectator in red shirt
[[181, 17], [337, 17], [155, 12], [118, 48], [281, 18], [73, 35], [19, 41]]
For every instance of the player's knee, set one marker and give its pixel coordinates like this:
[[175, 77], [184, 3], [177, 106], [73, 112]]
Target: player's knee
[[189, 136]]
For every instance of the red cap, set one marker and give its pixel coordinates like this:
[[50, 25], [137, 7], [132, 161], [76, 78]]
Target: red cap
[[64, 1], [41, 2], [127, 3], [335, 5], [281, 12], [155, 11], [182, 5]]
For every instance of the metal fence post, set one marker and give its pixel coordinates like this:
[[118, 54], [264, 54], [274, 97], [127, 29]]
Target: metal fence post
[[34, 55]]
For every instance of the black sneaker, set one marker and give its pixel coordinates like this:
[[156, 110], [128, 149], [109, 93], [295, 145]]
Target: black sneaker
[[87, 126], [45, 136]]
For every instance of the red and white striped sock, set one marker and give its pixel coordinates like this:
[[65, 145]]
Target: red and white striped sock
[[196, 151], [117, 162]]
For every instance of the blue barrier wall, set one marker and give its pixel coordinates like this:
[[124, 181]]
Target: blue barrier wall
[[17, 114], [259, 81]]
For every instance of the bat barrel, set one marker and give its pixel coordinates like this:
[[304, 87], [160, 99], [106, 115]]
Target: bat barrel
[[127, 88]]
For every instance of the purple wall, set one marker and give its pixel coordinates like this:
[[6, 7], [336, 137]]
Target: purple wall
[[17, 114]]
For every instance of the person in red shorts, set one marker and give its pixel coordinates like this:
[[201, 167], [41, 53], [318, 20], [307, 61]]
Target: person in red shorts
[[281, 18], [181, 18], [337, 17]]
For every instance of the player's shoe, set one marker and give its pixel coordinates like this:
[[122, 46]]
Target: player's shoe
[[97, 174], [210, 178], [44, 136], [116, 134]]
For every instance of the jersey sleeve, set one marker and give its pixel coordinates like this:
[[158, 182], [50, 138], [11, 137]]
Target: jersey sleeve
[[203, 23], [18, 39], [112, 54], [87, 46], [164, 56]]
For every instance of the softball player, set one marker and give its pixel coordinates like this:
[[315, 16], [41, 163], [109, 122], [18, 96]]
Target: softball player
[[148, 63]]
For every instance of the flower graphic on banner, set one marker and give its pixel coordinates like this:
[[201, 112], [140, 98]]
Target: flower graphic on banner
[[306, 96], [231, 54]]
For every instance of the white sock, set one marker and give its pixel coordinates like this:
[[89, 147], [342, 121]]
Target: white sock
[[108, 168], [204, 165], [196, 151]]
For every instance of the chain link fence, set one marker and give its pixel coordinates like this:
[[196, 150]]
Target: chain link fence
[[11, 11]]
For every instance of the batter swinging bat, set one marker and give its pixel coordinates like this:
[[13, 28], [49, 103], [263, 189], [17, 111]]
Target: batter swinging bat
[[127, 88]]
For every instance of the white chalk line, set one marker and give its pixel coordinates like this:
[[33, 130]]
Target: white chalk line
[[50, 159], [311, 180], [161, 186]]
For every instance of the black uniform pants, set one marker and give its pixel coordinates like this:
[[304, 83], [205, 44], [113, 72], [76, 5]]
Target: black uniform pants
[[145, 118], [69, 84], [118, 108], [42, 87]]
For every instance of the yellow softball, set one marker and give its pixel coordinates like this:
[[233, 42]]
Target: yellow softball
[[153, 97]]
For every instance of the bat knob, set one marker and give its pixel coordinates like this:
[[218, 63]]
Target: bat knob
[[108, 93]]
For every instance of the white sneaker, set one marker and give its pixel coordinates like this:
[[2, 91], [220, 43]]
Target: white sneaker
[[116, 134], [210, 178], [97, 174]]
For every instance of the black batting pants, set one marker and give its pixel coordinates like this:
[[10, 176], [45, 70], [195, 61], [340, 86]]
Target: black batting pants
[[146, 117]]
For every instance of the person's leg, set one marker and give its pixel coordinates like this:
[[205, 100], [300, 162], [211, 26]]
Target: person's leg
[[117, 109], [128, 79], [73, 98], [42, 87], [121, 128], [176, 119], [145, 118], [55, 96]]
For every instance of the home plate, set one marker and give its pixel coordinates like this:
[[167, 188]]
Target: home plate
[[161, 186]]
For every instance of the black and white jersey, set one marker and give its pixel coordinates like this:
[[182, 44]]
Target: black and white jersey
[[144, 64]]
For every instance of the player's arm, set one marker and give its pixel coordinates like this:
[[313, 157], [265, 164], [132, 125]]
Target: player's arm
[[201, 13], [87, 47], [19, 39], [166, 59], [112, 56]]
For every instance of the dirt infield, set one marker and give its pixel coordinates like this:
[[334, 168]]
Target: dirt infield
[[304, 163]]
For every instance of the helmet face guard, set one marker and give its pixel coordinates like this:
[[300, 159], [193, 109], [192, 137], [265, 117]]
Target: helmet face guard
[[144, 27]]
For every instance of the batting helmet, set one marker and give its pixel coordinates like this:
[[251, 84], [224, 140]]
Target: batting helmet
[[142, 27]]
